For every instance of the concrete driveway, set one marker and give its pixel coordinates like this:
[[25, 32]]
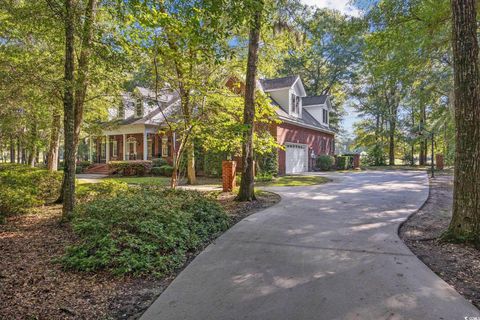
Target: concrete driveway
[[324, 252]]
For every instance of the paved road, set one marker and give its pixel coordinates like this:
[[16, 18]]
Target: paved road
[[324, 252]]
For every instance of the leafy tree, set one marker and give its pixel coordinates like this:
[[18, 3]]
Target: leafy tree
[[185, 44]]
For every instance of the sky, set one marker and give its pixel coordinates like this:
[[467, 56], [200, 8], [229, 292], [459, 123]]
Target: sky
[[343, 6]]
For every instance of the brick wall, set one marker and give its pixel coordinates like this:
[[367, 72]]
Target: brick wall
[[319, 142]]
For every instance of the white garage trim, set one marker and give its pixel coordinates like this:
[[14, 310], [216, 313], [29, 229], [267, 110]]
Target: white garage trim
[[296, 158]]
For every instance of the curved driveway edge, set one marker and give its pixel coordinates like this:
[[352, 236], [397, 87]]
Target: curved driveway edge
[[324, 252]]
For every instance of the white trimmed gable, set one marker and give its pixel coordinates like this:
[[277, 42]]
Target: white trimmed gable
[[319, 107], [287, 92]]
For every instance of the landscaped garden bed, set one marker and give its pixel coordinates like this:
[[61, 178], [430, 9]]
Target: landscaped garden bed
[[456, 263], [123, 247]]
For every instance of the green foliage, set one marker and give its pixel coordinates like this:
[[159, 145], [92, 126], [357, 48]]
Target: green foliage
[[325, 162], [268, 163], [157, 163], [213, 163], [105, 189], [156, 171], [82, 166], [223, 133], [143, 231], [130, 168], [344, 162], [166, 170], [23, 187], [375, 156], [264, 177]]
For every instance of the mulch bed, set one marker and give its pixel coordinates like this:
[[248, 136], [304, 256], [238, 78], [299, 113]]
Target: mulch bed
[[457, 264], [33, 286]]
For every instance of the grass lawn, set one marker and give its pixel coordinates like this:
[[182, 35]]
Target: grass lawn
[[284, 181], [293, 181], [150, 181], [164, 181]]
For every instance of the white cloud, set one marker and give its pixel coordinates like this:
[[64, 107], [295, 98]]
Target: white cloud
[[340, 5]]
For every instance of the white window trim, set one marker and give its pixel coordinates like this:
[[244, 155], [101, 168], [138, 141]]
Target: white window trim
[[131, 140], [165, 147], [114, 148], [292, 106]]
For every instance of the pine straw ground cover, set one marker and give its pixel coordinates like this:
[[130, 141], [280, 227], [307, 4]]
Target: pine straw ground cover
[[458, 264], [33, 286]]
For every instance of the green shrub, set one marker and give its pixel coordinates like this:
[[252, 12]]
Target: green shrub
[[105, 189], [213, 164], [376, 156], [130, 168], [264, 177], [344, 162], [142, 231], [268, 163], [82, 166], [156, 171], [157, 163], [166, 170], [23, 187], [325, 162]]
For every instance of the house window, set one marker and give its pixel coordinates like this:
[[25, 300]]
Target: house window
[[325, 116], [164, 147], [295, 103], [121, 112], [114, 148], [131, 149], [139, 108]]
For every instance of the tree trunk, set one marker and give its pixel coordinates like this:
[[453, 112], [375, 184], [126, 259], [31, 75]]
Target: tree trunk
[[192, 179], [247, 191], [83, 67], [69, 114], [32, 147], [391, 146], [12, 150], [52, 156], [465, 223], [19, 151]]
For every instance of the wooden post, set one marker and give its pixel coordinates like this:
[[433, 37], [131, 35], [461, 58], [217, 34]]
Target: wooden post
[[229, 175]]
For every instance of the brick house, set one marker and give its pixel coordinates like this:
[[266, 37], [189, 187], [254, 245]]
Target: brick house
[[305, 131], [134, 132]]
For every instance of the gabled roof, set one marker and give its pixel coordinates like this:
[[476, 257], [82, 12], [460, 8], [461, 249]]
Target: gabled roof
[[279, 83], [314, 100], [168, 100], [306, 119]]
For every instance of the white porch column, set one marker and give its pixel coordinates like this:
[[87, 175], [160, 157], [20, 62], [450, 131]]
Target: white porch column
[[145, 146], [107, 149], [124, 147]]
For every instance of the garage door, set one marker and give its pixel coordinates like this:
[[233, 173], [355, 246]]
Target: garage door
[[296, 158]]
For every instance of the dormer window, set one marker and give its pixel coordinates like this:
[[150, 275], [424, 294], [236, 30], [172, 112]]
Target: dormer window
[[121, 112], [325, 116], [139, 108], [294, 104]]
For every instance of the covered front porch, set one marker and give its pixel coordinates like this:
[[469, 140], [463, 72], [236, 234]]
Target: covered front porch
[[129, 143]]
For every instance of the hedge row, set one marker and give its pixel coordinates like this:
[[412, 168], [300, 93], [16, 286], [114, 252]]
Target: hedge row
[[156, 167]]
